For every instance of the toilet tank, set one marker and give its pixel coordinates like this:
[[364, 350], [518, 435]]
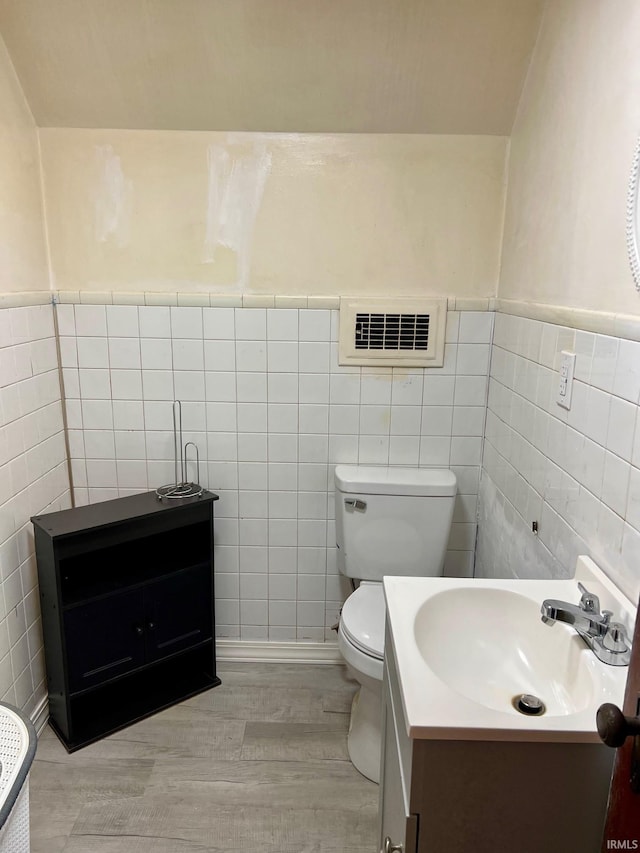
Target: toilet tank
[[392, 521]]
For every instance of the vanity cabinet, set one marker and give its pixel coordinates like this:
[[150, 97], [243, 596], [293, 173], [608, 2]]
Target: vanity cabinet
[[396, 820], [126, 593], [486, 796]]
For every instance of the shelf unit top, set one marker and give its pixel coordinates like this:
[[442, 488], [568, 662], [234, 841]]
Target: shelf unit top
[[79, 519]]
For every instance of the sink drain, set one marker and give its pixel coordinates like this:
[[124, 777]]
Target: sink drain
[[527, 704]]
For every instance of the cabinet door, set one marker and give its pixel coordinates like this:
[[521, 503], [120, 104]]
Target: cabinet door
[[104, 638], [396, 823], [178, 612]]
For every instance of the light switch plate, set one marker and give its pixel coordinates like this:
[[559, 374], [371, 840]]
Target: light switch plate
[[565, 379]]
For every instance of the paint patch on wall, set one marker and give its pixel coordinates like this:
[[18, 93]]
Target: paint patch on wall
[[114, 200], [237, 178]]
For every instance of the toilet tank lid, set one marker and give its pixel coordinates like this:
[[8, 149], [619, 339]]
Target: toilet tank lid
[[423, 482]]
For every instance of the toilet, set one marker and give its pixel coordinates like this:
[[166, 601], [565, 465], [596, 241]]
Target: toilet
[[389, 521]]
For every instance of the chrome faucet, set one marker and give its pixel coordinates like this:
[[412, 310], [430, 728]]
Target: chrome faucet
[[607, 640]]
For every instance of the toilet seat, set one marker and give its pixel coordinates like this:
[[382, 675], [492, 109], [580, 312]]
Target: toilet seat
[[363, 619]]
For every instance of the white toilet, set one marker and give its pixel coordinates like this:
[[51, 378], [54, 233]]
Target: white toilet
[[389, 521]]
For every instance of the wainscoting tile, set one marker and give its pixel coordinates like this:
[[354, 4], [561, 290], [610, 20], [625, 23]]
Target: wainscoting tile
[[263, 395]]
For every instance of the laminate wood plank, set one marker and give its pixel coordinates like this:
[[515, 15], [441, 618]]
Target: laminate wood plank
[[48, 844], [180, 731], [268, 704], [280, 784], [51, 823], [337, 701], [129, 844], [88, 780], [295, 741], [50, 748], [249, 829], [259, 768], [313, 676], [51, 819], [62, 788]]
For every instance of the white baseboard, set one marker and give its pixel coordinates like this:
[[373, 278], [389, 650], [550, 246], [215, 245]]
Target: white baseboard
[[40, 715], [254, 652]]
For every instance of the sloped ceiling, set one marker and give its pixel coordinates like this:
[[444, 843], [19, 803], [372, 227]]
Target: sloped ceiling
[[369, 66]]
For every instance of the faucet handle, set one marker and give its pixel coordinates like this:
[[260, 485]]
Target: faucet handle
[[589, 601], [615, 640], [606, 617]]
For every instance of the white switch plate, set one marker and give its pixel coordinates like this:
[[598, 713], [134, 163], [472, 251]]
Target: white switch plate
[[565, 379]]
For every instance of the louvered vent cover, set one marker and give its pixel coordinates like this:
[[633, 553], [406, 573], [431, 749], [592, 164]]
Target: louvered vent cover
[[388, 332], [392, 331]]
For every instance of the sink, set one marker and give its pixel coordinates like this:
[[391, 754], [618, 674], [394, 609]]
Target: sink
[[478, 662], [464, 649]]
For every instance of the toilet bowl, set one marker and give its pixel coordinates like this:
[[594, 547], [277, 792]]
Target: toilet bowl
[[361, 643], [389, 521]]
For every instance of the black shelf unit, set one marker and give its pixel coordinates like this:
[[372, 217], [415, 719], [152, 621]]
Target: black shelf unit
[[126, 593]]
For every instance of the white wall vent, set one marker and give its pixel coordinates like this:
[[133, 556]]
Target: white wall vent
[[392, 332]]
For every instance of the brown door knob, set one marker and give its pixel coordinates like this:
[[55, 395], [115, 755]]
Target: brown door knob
[[613, 727]]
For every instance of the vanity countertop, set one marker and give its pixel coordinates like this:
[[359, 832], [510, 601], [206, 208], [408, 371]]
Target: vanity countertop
[[464, 648]]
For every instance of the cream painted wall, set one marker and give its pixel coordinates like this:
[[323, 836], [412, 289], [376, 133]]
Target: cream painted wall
[[570, 157], [363, 66], [23, 259], [281, 213]]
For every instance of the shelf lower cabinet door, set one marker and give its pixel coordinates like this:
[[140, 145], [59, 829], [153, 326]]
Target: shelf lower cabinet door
[[104, 639], [178, 612]]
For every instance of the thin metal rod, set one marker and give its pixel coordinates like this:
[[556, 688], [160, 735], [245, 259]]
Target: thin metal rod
[[195, 446], [177, 442]]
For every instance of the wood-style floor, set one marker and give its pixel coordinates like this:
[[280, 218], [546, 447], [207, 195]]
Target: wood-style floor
[[257, 765]]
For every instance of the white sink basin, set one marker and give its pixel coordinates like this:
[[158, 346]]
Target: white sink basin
[[465, 649], [486, 667]]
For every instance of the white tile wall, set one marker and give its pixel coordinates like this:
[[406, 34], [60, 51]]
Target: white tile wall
[[576, 472], [33, 479], [272, 412]]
